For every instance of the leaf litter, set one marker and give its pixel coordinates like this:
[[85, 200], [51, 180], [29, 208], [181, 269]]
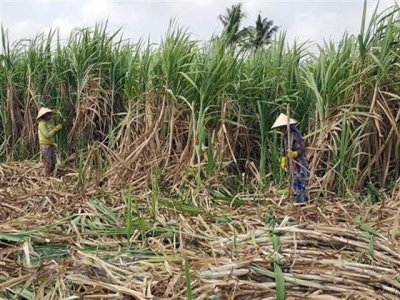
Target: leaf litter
[[61, 241]]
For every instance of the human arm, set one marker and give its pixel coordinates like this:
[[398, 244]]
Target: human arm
[[298, 148], [283, 162], [46, 132]]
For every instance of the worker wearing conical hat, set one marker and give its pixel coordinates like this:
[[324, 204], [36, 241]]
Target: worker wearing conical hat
[[295, 151], [47, 132]]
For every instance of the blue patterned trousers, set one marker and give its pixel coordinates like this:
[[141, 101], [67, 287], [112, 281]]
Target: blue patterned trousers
[[299, 186]]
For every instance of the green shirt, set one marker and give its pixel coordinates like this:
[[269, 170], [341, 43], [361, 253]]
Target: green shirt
[[46, 132]]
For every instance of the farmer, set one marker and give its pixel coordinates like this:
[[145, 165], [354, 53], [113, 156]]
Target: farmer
[[295, 151], [46, 132]]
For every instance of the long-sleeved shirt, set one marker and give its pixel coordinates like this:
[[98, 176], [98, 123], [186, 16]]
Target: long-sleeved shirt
[[297, 145], [46, 132]]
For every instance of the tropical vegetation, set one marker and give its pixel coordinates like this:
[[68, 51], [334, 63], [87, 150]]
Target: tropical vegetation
[[168, 182]]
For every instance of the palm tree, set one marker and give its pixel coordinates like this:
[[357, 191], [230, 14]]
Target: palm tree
[[262, 33], [231, 21]]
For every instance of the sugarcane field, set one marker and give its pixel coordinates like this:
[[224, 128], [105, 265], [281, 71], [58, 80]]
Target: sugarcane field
[[242, 167]]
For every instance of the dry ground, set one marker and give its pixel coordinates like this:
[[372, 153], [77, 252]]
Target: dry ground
[[59, 240]]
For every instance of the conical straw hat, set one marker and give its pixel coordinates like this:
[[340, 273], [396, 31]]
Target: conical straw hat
[[282, 120], [43, 111]]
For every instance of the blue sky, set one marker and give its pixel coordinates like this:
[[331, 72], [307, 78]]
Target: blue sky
[[304, 20]]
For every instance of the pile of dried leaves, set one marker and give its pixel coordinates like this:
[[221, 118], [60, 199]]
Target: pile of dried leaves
[[59, 240]]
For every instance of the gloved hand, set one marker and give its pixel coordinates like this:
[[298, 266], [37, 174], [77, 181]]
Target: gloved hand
[[58, 127], [292, 154], [283, 163]]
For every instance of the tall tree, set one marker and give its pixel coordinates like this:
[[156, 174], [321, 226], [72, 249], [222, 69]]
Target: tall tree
[[261, 34], [231, 21]]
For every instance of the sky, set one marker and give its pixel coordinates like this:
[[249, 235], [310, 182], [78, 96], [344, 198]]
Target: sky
[[313, 20]]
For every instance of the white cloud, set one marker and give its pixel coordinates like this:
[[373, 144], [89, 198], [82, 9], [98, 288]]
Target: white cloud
[[316, 26], [95, 10], [203, 2], [26, 29], [63, 25], [43, 2]]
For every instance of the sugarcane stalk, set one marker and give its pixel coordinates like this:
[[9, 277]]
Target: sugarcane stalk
[[289, 146]]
